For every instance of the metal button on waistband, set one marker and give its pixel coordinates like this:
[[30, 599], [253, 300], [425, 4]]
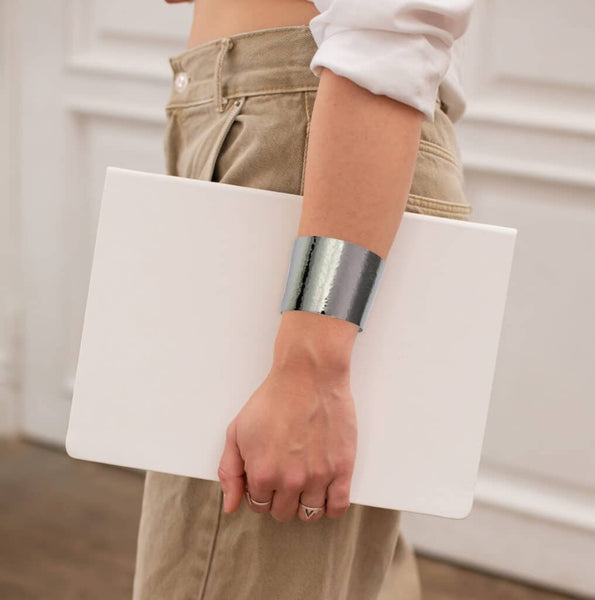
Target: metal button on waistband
[[181, 81]]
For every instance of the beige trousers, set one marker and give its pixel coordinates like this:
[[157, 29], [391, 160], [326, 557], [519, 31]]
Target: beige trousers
[[239, 113]]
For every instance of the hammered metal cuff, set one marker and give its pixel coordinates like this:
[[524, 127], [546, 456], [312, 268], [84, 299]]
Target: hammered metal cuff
[[332, 277]]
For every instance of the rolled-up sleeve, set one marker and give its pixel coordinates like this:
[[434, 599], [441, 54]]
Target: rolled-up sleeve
[[399, 48]]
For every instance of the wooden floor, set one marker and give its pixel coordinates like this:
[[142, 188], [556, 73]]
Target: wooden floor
[[68, 532]]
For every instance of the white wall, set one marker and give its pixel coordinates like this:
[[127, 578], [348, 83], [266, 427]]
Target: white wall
[[9, 283], [93, 81], [528, 144]]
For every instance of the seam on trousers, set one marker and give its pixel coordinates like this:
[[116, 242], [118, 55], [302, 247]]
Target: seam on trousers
[[212, 550], [305, 143], [247, 34], [235, 94], [439, 208], [439, 151], [220, 101], [439, 204]]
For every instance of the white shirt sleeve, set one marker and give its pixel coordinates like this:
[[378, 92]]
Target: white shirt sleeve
[[399, 48]]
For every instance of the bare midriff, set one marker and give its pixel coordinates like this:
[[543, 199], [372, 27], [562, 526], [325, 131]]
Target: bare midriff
[[214, 19]]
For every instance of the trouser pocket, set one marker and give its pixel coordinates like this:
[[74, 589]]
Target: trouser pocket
[[438, 184]]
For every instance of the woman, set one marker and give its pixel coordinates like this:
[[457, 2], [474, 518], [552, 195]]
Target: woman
[[350, 104]]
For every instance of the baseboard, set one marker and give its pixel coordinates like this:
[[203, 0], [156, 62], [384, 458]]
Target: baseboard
[[535, 531]]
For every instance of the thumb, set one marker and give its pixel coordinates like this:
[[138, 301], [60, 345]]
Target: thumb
[[231, 471]]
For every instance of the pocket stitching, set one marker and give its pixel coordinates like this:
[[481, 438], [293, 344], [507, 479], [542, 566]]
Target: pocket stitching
[[308, 118], [211, 162], [438, 151], [442, 207]]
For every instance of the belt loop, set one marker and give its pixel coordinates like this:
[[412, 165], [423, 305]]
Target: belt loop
[[220, 101]]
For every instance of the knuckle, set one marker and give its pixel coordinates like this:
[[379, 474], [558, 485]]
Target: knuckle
[[262, 477], [343, 465], [338, 505], [319, 476], [339, 501], [222, 473], [294, 480]]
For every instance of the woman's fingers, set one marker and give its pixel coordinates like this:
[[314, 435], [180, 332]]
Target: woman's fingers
[[313, 495], [287, 494], [231, 471], [284, 506], [338, 493], [257, 506], [259, 490], [281, 495], [312, 498], [290, 441]]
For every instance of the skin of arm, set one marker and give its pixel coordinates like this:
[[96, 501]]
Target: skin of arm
[[297, 433], [361, 156]]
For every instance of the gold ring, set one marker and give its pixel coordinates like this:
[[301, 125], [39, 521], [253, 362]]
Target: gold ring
[[310, 511], [255, 502]]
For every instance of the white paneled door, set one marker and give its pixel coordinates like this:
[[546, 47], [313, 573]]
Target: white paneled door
[[93, 82], [10, 289], [91, 79], [528, 145]]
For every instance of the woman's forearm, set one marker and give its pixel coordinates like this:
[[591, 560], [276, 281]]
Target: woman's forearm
[[360, 160]]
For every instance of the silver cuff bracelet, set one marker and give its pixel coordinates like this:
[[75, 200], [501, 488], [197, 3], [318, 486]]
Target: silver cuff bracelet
[[332, 277]]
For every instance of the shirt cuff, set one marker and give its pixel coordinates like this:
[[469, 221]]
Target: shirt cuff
[[403, 66]]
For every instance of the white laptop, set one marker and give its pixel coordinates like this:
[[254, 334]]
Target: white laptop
[[182, 311]]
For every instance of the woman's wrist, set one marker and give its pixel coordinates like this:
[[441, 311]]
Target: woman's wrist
[[316, 340]]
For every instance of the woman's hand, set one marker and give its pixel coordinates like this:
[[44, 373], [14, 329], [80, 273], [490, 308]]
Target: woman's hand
[[294, 440]]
